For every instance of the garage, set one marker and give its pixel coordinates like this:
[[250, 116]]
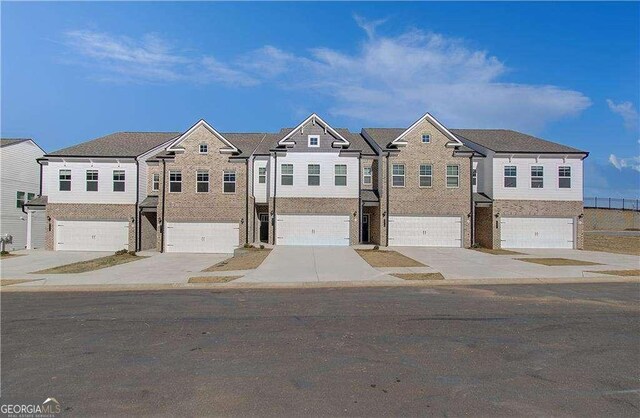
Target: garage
[[537, 232], [202, 237], [92, 235], [312, 229], [425, 231]]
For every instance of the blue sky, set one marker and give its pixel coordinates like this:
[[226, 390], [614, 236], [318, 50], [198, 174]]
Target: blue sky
[[567, 72]]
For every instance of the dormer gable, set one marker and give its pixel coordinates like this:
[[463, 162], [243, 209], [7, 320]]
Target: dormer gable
[[227, 148], [401, 139], [306, 134]]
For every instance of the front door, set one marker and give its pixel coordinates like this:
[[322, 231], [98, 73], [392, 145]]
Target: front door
[[264, 227], [365, 228]]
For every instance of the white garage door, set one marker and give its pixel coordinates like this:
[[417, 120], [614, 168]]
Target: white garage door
[[201, 237], [92, 235], [425, 231], [536, 232], [312, 229]]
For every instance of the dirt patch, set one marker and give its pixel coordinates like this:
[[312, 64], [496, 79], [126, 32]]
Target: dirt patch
[[558, 262], [635, 272], [612, 244], [9, 282], [91, 265], [419, 276], [215, 279], [497, 251], [377, 258], [246, 261]]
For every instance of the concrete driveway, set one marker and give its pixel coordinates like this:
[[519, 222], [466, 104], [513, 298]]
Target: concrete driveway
[[460, 263], [34, 260], [314, 264], [158, 268]]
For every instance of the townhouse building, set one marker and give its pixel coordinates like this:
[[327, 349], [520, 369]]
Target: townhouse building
[[207, 191]]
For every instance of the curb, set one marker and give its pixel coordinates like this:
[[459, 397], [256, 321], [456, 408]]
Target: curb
[[314, 285]]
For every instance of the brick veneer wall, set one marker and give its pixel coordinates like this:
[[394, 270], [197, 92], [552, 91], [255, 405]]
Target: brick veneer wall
[[89, 212], [484, 228]]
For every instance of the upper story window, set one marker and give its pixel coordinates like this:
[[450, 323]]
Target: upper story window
[[204, 149], [510, 176], [155, 184], [286, 176], [30, 196], [92, 180], [340, 175], [20, 199], [314, 141], [202, 181], [262, 175], [175, 181], [474, 177], [426, 138], [367, 177], [564, 177], [537, 177], [229, 181], [453, 176], [426, 175], [118, 180], [313, 174], [397, 179], [65, 180]]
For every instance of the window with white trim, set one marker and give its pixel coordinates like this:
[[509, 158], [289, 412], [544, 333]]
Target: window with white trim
[[367, 177], [510, 176], [118, 180], [202, 181], [92, 180], [20, 199], [313, 174], [537, 177], [262, 175], [229, 181], [340, 175], [426, 138], [564, 177], [175, 181], [30, 196], [155, 184], [426, 175], [397, 178], [474, 177], [65, 180], [314, 141], [453, 176], [286, 174], [204, 149]]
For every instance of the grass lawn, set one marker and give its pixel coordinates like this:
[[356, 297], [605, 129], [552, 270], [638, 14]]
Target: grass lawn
[[2, 256], [90, 265], [377, 258], [558, 262], [216, 279], [612, 244], [419, 276], [496, 251], [635, 272], [246, 261], [9, 282]]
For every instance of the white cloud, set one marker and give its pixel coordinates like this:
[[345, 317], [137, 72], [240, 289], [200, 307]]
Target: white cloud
[[620, 163], [627, 111]]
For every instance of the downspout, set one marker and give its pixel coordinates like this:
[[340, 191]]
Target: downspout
[[164, 192], [387, 193], [40, 192], [136, 217], [472, 208], [246, 203], [360, 198], [275, 188]]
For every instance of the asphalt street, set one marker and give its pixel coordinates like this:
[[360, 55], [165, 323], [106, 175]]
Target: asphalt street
[[561, 350]]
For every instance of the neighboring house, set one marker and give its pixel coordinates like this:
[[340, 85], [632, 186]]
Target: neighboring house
[[207, 191], [20, 182]]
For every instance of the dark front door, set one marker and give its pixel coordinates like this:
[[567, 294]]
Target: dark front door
[[365, 228], [264, 227]]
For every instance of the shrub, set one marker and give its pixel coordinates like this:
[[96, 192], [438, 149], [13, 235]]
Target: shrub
[[121, 252], [261, 247], [376, 248], [4, 252]]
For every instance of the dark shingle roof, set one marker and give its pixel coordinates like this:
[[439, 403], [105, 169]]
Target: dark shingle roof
[[356, 141], [150, 201], [4, 142], [481, 198], [383, 136], [119, 144], [38, 201], [504, 140], [369, 195]]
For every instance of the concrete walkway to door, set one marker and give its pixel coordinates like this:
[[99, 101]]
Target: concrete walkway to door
[[314, 264]]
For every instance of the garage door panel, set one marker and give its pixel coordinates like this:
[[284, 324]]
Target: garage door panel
[[425, 231], [92, 235], [202, 237], [537, 232], [312, 230]]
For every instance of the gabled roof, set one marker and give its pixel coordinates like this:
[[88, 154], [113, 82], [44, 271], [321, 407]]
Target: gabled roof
[[5, 142], [119, 144], [315, 119], [202, 123], [504, 140], [400, 139]]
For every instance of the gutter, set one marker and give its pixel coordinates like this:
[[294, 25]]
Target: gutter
[[387, 193], [137, 218], [275, 188], [472, 205], [360, 199], [246, 204], [164, 192]]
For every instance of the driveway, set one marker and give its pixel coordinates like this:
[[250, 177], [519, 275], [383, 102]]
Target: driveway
[[158, 268], [460, 263], [314, 264], [35, 260]]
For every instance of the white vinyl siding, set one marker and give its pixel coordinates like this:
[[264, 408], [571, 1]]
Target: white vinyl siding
[[537, 232], [260, 175], [312, 230], [425, 231], [91, 235], [202, 237]]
